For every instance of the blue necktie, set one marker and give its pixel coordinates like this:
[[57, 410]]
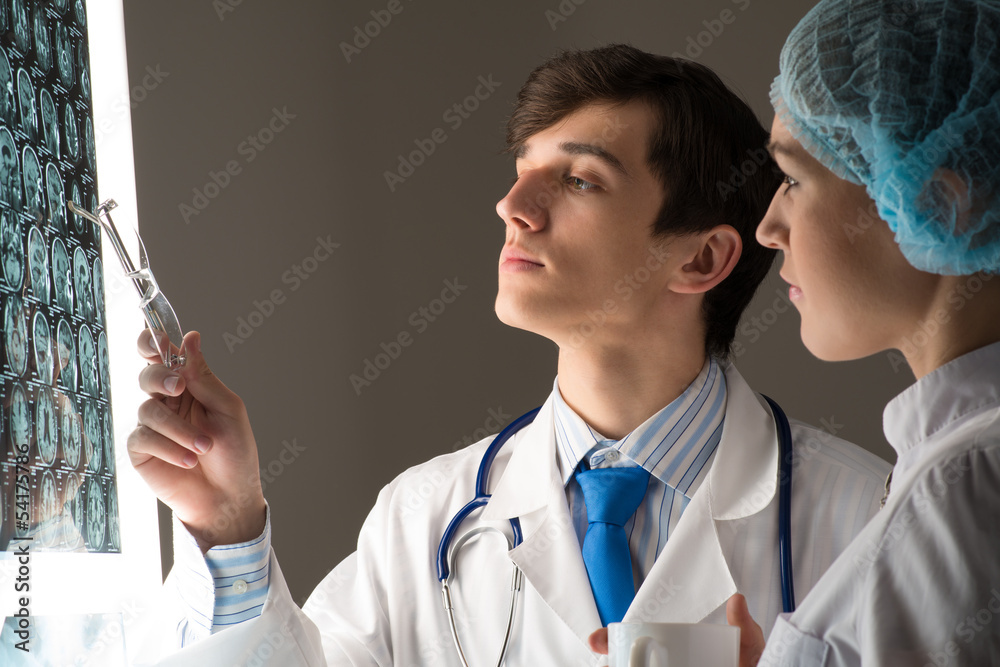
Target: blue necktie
[[612, 496]]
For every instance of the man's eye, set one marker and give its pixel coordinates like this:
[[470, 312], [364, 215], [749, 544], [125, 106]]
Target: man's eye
[[579, 184]]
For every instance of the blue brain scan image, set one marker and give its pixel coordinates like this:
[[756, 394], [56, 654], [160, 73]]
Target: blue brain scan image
[[20, 419], [88, 135], [64, 56], [10, 172], [43, 45], [26, 105], [7, 106], [55, 198], [50, 123], [15, 330], [62, 277], [38, 265], [66, 355], [46, 427], [32, 172], [71, 435], [20, 25], [71, 134], [80, 13], [81, 281], [42, 338], [13, 249], [87, 361]]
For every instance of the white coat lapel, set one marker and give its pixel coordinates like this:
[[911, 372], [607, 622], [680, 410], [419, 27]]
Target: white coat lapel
[[531, 488], [691, 577]]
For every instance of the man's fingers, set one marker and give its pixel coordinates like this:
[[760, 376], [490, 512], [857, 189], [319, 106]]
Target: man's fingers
[[598, 641], [145, 444], [147, 348], [156, 379], [158, 418], [751, 636]]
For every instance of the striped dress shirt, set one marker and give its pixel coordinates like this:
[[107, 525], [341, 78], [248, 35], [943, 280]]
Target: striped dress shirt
[[676, 445], [225, 587]]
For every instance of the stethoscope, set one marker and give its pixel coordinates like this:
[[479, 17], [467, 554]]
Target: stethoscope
[[449, 546]]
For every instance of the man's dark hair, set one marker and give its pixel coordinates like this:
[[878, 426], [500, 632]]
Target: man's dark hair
[[708, 151]]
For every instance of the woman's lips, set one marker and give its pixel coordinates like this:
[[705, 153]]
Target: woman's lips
[[794, 291]]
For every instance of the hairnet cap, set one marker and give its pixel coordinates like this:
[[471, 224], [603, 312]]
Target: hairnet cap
[[903, 97]]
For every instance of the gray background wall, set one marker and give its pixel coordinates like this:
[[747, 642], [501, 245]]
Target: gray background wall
[[224, 67]]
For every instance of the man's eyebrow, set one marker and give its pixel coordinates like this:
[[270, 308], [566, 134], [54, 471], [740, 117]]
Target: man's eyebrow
[[578, 148]]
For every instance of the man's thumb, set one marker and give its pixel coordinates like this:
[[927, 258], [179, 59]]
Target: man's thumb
[[203, 384], [737, 612], [751, 636]]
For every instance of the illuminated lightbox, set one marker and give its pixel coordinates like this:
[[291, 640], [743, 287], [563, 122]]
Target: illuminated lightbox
[[72, 510], [58, 474]]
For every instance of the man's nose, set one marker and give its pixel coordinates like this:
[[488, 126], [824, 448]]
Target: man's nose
[[527, 204]]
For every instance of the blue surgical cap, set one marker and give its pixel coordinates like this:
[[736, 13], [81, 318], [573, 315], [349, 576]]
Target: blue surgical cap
[[903, 97]]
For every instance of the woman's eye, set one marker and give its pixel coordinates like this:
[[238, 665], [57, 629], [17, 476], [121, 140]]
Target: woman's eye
[[579, 184], [789, 181]]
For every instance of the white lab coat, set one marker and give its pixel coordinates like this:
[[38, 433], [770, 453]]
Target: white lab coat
[[921, 584], [382, 605]]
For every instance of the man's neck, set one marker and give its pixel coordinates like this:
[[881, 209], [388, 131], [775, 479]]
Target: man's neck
[[616, 389]]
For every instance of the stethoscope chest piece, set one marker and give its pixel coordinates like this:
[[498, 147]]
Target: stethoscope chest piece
[[515, 588]]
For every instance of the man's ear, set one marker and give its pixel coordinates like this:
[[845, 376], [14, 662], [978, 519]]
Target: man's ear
[[713, 255]]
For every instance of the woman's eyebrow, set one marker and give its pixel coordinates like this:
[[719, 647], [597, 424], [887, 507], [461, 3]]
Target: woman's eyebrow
[[790, 151]]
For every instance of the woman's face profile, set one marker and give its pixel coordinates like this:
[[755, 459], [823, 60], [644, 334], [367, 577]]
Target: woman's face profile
[[855, 291]]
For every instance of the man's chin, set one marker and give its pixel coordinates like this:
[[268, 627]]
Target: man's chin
[[509, 314], [516, 314]]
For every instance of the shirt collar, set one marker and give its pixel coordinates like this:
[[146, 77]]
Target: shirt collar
[[941, 399], [676, 445]]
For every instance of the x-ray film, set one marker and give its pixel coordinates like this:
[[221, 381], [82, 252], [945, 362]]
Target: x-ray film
[[57, 470], [87, 639]]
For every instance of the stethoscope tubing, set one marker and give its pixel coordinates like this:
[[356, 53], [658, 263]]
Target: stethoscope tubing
[[784, 505], [482, 497]]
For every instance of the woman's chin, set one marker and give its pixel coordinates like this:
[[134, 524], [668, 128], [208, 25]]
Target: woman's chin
[[827, 346]]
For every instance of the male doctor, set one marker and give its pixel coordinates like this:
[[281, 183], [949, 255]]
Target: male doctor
[[630, 244]]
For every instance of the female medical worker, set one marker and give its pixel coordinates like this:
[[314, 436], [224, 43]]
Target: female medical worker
[[887, 128]]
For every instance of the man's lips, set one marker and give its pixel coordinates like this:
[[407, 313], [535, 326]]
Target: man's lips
[[517, 260]]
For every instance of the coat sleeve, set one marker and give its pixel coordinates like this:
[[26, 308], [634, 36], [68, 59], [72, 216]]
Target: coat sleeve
[[281, 635], [350, 606], [931, 594], [380, 607], [344, 622]]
